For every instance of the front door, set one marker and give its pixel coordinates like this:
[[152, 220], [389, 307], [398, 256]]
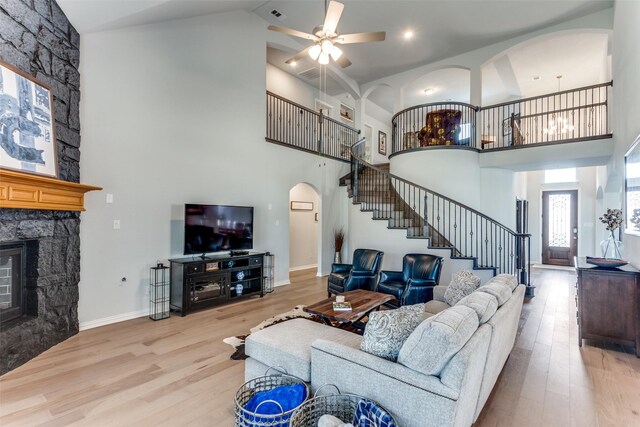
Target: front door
[[559, 227]]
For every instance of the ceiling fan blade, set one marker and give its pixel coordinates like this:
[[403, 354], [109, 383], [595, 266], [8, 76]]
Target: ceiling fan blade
[[343, 61], [292, 32], [334, 11], [360, 38], [298, 56]]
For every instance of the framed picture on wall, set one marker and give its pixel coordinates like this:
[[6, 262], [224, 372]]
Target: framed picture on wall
[[382, 143], [301, 206], [27, 136]]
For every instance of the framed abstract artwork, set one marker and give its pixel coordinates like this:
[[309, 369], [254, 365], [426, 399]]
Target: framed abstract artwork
[[27, 137]]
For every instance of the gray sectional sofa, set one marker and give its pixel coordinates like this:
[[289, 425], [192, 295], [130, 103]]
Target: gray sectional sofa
[[447, 392]]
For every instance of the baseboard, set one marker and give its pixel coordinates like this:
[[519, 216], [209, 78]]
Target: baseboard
[[304, 267], [113, 319], [282, 283]]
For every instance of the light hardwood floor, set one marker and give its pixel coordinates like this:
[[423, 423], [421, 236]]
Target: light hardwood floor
[[177, 372]]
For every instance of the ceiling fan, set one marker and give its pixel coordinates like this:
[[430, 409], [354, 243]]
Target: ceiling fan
[[326, 38]]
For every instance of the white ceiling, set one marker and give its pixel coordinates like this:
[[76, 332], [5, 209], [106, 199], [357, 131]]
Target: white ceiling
[[442, 28]]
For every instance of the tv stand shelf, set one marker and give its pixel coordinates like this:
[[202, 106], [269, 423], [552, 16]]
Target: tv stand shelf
[[198, 282]]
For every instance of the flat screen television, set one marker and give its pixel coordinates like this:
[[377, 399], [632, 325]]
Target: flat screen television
[[215, 228]]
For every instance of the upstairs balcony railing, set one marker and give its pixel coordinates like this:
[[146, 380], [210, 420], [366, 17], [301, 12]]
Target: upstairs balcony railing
[[567, 116], [299, 127], [450, 123]]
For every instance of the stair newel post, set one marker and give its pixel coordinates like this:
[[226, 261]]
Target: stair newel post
[[525, 264], [426, 216], [354, 178]]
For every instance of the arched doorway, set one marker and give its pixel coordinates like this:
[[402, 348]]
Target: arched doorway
[[304, 208]]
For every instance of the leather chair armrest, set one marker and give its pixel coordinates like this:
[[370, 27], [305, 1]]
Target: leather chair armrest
[[340, 268], [417, 291], [393, 276], [420, 282], [366, 273]]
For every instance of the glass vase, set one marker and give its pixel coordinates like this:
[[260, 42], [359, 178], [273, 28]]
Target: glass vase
[[611, 247]]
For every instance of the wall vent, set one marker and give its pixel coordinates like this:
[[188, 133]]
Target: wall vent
[[310, 74], [279, 15]]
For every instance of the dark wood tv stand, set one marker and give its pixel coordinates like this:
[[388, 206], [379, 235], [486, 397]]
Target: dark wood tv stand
[[198, 282]]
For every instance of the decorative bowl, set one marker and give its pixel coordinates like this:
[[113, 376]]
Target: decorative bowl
[[606, 262]]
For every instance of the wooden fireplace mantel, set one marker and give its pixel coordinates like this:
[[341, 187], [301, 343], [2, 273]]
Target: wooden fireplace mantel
[[29, 191]]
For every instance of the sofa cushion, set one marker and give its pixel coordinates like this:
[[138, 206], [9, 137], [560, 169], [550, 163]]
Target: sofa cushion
[[506, 279], [485, 305], [435, 306], [436, 340], [288, 344], [463, 283], [501, 291], [387, 330]]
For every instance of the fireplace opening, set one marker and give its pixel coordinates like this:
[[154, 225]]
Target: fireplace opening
[[16, 294]]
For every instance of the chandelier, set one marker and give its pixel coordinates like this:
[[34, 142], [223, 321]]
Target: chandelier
[[559, 124]]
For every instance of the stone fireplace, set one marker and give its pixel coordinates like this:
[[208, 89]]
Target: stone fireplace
[[41, 216], [17, 288], [50, 244]]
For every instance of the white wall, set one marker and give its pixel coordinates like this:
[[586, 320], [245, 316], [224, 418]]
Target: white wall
[[626, 100], [452, 172], [380, 120], [172, 114], [589, 227], [303, 228]]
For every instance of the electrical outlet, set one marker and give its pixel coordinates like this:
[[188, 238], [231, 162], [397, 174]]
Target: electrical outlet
[[109, 198], [116, 224]]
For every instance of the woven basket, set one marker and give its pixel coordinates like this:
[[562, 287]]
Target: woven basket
[[246, 418], [342, 406]]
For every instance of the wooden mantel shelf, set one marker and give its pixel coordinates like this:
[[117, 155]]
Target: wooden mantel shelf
[[29, 191]]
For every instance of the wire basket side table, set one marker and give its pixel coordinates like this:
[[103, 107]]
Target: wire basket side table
[[159, 292]]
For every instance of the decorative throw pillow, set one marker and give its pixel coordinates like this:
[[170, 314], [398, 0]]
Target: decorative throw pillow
[[463, 283], [506, 279], [498, 290], [387, 330], [485, 305], [369, 414], [436, 340]]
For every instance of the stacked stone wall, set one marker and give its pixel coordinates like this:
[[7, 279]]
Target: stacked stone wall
[[37, 38]]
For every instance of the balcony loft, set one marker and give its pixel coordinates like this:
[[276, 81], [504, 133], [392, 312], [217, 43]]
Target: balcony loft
[[568, 127]]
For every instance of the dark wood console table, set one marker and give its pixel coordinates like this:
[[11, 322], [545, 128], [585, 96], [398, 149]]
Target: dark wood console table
[[216, 279], [608, 303]]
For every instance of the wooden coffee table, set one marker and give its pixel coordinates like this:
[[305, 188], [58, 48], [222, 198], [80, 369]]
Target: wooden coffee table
[[362, 303]]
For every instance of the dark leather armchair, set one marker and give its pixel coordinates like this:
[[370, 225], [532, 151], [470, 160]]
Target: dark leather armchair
[[414, 284], [362, 274]]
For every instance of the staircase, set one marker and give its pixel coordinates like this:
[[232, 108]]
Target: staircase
[[443, 223]]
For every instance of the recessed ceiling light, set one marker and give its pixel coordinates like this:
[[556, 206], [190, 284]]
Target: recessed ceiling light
[[293, 63], [430, 91], [536, 78], [408, 34]]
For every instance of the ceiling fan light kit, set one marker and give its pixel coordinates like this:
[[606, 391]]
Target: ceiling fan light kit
[[314, 52], [325, 38]]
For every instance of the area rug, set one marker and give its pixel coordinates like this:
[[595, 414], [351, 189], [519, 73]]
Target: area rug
[[237, 342]]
